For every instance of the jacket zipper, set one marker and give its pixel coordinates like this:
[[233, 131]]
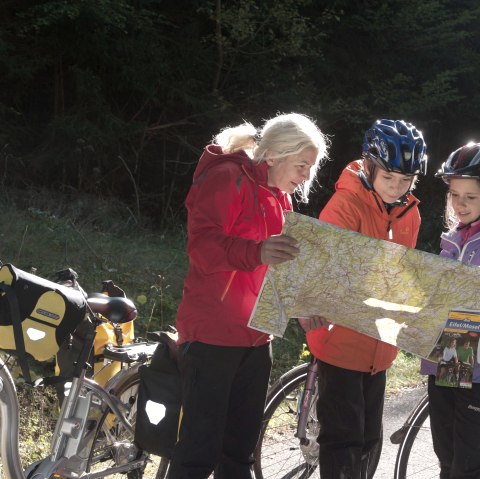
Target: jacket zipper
[[389, 224], [229, 283], [262, 209], [389, 230], [470, 258]]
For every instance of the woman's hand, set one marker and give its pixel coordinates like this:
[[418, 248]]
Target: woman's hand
[[278, 249], [313, 322]]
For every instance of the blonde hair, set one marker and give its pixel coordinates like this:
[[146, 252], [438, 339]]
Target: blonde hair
[[281, 136], [450, 219], [241, 137]]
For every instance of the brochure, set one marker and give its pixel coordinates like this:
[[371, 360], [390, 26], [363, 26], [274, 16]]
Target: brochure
[[456, 349]]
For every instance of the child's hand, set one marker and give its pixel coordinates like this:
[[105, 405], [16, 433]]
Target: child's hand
[[313, 322], [278, 249]]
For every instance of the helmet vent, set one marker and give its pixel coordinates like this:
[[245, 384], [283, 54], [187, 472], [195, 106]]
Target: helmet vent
[[396, 145]]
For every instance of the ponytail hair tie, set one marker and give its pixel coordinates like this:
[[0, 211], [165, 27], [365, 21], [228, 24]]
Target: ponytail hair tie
[[257, 138]]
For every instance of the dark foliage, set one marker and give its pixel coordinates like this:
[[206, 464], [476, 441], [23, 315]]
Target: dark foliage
[[118, 97]]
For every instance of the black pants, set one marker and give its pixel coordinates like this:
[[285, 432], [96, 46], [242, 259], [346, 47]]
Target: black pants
[[224, 391], [350, 410], [455, 425]]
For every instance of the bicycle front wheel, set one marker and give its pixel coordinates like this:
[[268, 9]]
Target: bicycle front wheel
[[279, 454], [416, 457]]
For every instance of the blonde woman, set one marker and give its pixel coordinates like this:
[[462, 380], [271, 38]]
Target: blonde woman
[[241, 189]]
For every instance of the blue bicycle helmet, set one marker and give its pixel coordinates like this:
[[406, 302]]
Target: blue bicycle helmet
[[462, 163], [397, 146]]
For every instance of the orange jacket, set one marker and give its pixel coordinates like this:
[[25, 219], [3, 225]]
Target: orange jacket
[[358, 208]]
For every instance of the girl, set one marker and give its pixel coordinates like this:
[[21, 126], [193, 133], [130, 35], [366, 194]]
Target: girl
[[455, 412], [241, 188], [373, 197]]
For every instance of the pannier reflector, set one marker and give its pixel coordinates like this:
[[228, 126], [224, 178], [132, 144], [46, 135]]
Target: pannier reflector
[[35, 334], [155, 411]]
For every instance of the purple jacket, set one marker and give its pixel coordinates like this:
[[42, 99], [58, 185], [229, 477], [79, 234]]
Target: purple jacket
[[469, 253]]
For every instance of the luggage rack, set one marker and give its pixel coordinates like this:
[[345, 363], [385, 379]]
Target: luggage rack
[[130, 353]]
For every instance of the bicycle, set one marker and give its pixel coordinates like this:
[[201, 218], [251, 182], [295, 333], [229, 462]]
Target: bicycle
[[416, 457], [465, 373], [287, 446], [94, 433]]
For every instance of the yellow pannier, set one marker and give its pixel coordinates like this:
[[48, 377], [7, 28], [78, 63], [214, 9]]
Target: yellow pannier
[[36, 315]]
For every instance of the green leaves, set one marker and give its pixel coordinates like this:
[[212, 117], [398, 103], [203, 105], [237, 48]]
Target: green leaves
[[152, 82]]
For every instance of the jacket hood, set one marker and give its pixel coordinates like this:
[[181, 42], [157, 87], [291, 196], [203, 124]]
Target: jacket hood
[[213, 155]]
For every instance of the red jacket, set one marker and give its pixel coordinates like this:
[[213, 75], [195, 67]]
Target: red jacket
[[230, 212], [360, 209]]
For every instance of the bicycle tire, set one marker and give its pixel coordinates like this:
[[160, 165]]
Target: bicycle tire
[[279, 454], [102, 450], [416, 457], [10, 464], [30, 415]]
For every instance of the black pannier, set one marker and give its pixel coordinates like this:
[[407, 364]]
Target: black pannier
[[159, 401]]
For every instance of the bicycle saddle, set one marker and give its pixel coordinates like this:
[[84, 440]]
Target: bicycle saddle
[[116, 309]]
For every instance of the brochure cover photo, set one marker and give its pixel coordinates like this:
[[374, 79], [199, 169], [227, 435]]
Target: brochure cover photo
[[457, 349]]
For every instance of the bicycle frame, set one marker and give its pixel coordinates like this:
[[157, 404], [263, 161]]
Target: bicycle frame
[[74, 435], [415, 454], [287, 445], [71, 437], [306, 402]]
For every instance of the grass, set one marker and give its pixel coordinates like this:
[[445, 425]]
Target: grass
[[100, 240], [405, 373]]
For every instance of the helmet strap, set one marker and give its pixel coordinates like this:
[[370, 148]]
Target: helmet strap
[[364, 180]]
